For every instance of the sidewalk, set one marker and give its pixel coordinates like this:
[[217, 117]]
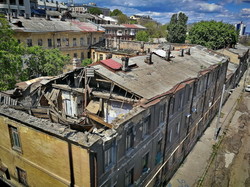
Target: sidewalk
[[196, 162]]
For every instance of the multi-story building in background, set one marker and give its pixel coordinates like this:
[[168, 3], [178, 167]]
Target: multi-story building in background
[[241, 28], [73, 38], [120, 122], [77, 8], [15, 8]]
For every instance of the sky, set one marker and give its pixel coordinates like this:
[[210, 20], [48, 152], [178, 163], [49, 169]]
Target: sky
[[229, 11]]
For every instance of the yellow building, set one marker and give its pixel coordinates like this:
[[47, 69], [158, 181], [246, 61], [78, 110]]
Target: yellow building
[[37, 153], [73, 38]]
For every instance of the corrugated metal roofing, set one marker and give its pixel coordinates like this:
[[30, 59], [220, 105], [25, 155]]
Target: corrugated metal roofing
[[132, 26], [112, 64]]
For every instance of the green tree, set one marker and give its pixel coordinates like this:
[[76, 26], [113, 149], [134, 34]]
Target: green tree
[[142, 36], [86, 62], [177, 28], [95, 11], [11, 53], [156, 30], [116, 12], [122, 18], [44, 62], [213, 34]]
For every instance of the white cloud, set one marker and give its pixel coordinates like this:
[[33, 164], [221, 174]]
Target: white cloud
[[206, 7]]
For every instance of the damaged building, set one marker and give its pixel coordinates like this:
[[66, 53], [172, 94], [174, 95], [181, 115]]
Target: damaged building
[[119, 122]]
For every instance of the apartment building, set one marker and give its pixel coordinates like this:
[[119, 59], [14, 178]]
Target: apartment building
[[72, 37], [119, 122], [15, 8]]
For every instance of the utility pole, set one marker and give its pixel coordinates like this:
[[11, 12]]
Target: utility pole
[[218, 127]]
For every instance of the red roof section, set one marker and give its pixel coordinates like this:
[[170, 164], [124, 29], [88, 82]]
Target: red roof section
[[112, 64], [130, 26], [84, 26]]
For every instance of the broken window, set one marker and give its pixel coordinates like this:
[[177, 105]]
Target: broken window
[[14, 136], [129, 180], [29, 42], [58, 44], [94, 40], [130, 139], [40, 42], [75, 55], [22, 176], [66, 42], [88, 41], [145, 163]]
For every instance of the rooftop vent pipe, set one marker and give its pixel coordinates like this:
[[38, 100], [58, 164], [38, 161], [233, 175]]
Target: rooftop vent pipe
[[181, 53], [125, 61], [188, 51]]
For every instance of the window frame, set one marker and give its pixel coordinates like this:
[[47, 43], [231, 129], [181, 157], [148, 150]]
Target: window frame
[[20, 174], [15, 138]]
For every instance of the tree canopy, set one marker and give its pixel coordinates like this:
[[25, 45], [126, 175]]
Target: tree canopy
[[142, 36], [122, 18], [177, 28], [86, 62], [213, 34], [95, 11], [116, 12], [156, 30], [20, 63]]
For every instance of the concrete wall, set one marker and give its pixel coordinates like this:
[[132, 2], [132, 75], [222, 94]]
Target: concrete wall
[[44, 158]]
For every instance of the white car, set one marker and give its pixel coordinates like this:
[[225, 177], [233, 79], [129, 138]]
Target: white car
[[247, 88]]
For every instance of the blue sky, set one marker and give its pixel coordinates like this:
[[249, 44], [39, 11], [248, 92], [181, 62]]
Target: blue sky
[[230, 11]]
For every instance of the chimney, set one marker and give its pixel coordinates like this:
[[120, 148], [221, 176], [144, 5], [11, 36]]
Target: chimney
[[188, 51], [142, 47], [148, 50], [125, 61], [26, 16], [168, 55], [47, 17], [148, 59], [181, 53]]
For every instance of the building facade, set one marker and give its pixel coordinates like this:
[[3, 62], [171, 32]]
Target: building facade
[[133, 119], [73, 38], [15, 8]]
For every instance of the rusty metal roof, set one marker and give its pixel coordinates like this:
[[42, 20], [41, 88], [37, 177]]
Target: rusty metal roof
[[87, 26], [112, 64]]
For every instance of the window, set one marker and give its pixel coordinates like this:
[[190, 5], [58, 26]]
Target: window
[[81, 41], [129, 180], [108, 157], [58, 44], [93, 55], [145, 127], [130, 139], [145, 163], [101, 56], [40, 42], [49, 43], [14, 136], [170, 135], [22, 176], [158, 158], [161, 116], [178, 127], [74, 42], [88, 41], [29, 42], [82, 55], [66, 42], [171, 108], [19, 41], [94, 40], [75, 55], [100, 39]]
